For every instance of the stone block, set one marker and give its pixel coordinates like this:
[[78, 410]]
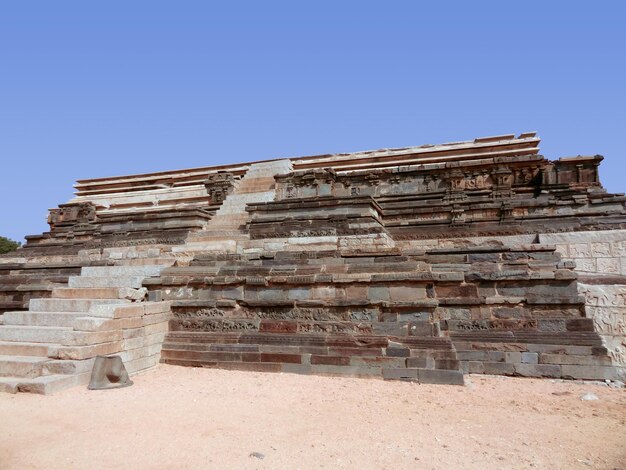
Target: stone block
[[472, 355], [538, 370], [498, 368], [530, 358], [330, 360], [400, 374], [513, 357], [448, 364], [570, 359], [34, 334], [608, 265], [580, 250], [496, 356], [398, 352], [590, 372], [356, 371], [475, 367], [378, 293], [601, 250], [85, 352], [406, 293], [443, 377], [422, 362]]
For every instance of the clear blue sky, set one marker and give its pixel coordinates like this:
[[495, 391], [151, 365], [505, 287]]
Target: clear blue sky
[[90, 89]]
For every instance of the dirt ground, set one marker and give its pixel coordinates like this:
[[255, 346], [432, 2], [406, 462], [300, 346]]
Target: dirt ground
[[176, 417]]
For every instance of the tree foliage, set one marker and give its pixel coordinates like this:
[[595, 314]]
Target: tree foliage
[[6, 245]]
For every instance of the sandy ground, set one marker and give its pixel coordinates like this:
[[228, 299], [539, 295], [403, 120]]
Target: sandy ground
[[176, 417]]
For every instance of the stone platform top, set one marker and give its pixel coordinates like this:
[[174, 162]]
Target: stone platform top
[[486, 147]]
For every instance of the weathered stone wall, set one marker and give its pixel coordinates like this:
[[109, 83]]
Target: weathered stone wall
[[600, 259], [599, 252]]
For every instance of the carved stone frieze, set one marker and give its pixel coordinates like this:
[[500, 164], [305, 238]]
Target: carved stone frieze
[[67, 215], [219, 185]]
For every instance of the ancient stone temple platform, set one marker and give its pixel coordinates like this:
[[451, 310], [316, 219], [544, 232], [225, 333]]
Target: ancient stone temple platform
[[420, 264]]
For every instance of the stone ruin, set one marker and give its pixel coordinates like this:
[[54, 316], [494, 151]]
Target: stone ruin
[[422, 263]]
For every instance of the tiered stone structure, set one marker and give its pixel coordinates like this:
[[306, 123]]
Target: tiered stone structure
[[421, 263]]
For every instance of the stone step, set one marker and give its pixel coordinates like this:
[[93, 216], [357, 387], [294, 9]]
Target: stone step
[[148, 270], [26, 318], [68, 366], [28, 349], [22, 366], [34, 334], [89, 351], [146, 262], [91, 292], [44, 385], [105, 281], [217, 235], [70, 305], [221, 246], [214, 232], [425, 376]]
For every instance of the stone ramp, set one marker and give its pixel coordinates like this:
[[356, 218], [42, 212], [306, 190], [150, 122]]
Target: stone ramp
[[103, 311]]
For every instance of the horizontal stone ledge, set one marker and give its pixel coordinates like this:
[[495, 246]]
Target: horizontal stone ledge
[[31, 287], [601, 279], [461, 301], [271, 303], [468, 250], [193, 303], [509, 275], [535, 299], [501, 299], [520, 336], [300, 339], [418, 277], [532, 248]]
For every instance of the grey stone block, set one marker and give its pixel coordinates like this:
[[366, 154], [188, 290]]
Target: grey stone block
[[538, 370], [530, 358], [399, 374], [590, 372], [475, 367], [498, 368], [444, 377]]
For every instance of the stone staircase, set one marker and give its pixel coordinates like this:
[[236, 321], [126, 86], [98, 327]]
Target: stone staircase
[[103, 311], [223, 232]]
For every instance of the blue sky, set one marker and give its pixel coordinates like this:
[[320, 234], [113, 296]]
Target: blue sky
[[91, 89]]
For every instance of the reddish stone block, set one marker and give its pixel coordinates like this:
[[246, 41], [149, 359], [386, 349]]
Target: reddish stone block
[[277, 326], [456, 291], [275, 357]]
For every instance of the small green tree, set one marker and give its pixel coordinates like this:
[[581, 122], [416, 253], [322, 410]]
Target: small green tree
[[6, 245]]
